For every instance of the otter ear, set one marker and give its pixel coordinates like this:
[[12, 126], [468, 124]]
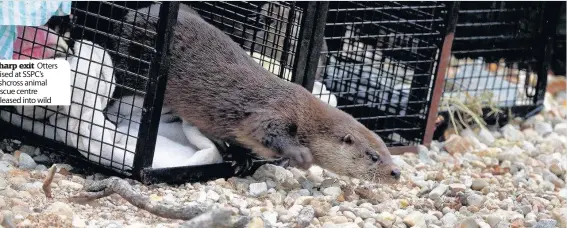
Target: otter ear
[[348, 139]]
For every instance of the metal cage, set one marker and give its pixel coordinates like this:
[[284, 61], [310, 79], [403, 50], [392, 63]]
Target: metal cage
[[381, 61], [280, 36], [558, 65], [500, 57], [93, 57]]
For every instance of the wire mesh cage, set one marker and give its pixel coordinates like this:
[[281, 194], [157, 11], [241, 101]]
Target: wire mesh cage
[[84, 39], [268, 31], [499, 57], [379, 61], [118, 56], [558, 65]]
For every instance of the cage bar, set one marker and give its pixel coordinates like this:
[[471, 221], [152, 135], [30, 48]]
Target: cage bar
[[381, 59], [500, 57], [282, 36], [279, 36], [90, 29]]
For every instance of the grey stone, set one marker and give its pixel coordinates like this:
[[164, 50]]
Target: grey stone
[[257, 189], [484, 136], [479, 184], [6, 167], [42, 158], [437, 192], [543, 128], [305, 216], [546, 223], [473, 199], [512, 134], [26, 162], [30, 150], [561, 129], [332, 191], [449, 219]]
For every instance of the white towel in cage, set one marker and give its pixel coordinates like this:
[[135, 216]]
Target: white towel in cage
[[82, 124], [26, 13], [177, 143]]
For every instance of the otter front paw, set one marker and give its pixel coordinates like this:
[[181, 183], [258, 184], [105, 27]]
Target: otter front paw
[[299, 157]]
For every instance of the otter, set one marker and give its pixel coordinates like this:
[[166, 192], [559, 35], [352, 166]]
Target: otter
[[215, 86], [218, 88]]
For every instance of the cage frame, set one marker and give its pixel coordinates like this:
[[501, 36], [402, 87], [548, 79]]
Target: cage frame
[[305, 65], [310, 36], [546, 40], [435, 90], [312, 27]]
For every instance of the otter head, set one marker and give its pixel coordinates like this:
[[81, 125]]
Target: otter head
[[346, 147]]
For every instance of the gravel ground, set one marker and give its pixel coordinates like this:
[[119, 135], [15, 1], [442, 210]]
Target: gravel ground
[[509, 177]]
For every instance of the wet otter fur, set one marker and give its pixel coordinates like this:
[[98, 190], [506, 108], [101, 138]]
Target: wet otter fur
[[214, 85]]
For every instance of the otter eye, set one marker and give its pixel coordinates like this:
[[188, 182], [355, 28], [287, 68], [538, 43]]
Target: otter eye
[[348, 139], [373, 156]]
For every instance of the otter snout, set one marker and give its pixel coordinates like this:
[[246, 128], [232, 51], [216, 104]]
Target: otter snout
[[396, 173]]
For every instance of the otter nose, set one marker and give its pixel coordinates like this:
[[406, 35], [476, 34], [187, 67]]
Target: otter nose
[[395, 173]]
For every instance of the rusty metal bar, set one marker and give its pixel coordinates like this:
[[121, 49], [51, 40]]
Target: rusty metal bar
[[445, 56]]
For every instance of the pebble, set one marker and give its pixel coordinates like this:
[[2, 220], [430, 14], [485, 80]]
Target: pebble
[[543, 128], [561, 129], [79, 222], [457, 144], [271, 217], [42, 158], [321, 207], [70, 184], [449, 219], [473, 199], [30, 150], [339, 219], [457, 187], [556, 169], [257, 189], [25, 161], [479, 184], [305, 216], [484, 136], [438, 191], [415, 218], [512, 134], [369, 225], [6, 167], [499, 177], [546, 223], [468, 223], [61, 209], [332, 191]]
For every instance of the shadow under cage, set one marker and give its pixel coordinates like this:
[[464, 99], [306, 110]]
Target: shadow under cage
[[500, 58], [381, 59], [116, 119]]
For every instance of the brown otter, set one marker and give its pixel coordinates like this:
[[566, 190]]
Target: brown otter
[[214, 85], [217, 87]]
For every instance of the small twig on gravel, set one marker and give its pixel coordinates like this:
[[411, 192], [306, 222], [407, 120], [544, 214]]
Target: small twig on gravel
[[198, 215], [47, 181]]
